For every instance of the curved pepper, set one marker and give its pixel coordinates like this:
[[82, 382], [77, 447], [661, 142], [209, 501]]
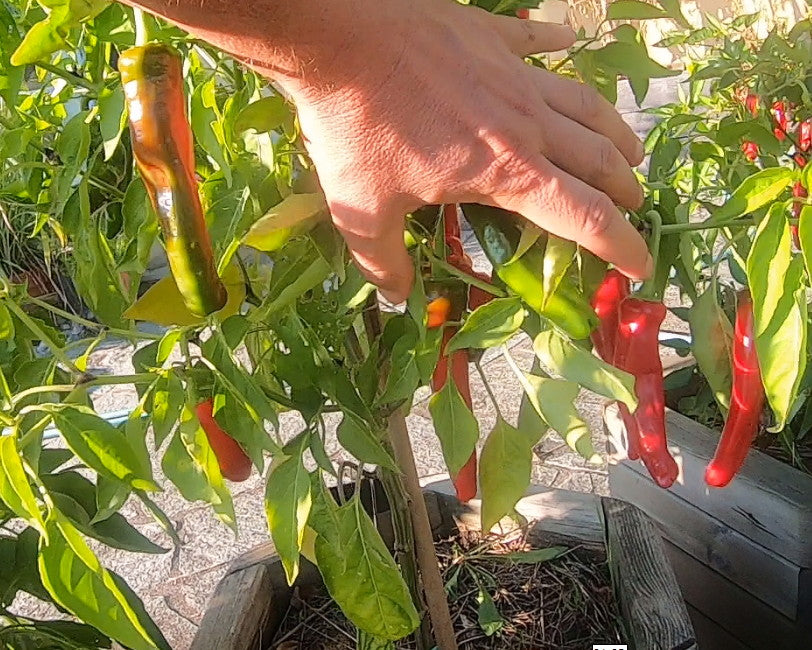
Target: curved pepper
[[606, 303], [798, 191], [566, 308], [233, 461], [805, 135], [746, 401], [637, 352], [163, 149], [779, 111]]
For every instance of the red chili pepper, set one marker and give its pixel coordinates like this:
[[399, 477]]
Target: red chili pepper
[[458, 258], [805, 135], [800, 160], [234, 463], [751, 103], [524, 14], [637, 352], [606, 302], [779, 112], [746, 401], [750, 150]]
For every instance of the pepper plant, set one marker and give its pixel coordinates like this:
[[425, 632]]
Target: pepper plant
[[271, 317]]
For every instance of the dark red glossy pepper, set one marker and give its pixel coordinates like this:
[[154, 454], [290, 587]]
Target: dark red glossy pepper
[[637, 352], [233, 461], [458, 258], [746, 401], [750, 150], [606, 303], [779, 112]]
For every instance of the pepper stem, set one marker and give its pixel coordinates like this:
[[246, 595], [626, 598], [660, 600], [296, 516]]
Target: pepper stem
[[649, 290], [141, 30]]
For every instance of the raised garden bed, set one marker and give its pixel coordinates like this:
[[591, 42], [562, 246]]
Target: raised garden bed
[[250, 603], [742, 554]]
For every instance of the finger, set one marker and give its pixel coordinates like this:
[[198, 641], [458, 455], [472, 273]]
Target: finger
[[593, 158], [588, 107], [379, 253], [569, 208], [525, 37]]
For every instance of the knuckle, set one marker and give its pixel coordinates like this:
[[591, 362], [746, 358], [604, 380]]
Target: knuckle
[[606, 158], [589, 101], [598, 214]]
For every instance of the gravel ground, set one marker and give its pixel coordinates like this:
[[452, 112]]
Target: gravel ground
[[176, 586]]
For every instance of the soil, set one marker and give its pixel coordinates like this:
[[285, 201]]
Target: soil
[[558, 604]]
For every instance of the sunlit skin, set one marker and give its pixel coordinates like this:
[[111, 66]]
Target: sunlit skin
[[411, 102]]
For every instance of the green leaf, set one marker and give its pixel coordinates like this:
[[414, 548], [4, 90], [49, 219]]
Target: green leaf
[[50, 34], [287, 503], [535, 556], [112, 117], [633, 10], [6, 324], [674, 10], [168, 397], [558, 257], [554, 400], [504, 471], [404, 375], [455, 425], [580, 366], [805, 235], [263, 115], [489, 619], [779, 307], [206, 124], [110, 496], [712, 344], [358, 438], [15, 490], [489, 325], [99, 444], [294, 215], [79, 583], [167, 344], [754, 192], [358, 571], [189, 462]]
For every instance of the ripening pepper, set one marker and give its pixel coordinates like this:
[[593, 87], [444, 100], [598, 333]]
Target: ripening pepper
[[637, 352], [750, 150], [798, 191], [233, 461], [779, 112], [465, 482], [746, 400], [606, 302], [751, 104], [459, 259], [805, 135], [152, 77]]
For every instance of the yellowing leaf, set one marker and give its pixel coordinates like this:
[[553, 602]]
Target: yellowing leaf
[[295, 215], [162, 303]]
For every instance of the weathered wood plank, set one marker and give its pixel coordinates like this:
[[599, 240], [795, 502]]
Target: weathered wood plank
[[239, 610], [650, 599], [563, 516], [743, 616], [769, 501], [709, 636], [756, 569]]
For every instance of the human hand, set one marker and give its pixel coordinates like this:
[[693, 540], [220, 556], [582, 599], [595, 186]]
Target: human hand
[[411, 102], [438, 107]]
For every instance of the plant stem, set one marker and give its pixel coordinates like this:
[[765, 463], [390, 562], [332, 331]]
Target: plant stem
[[423, 538], [141, 31], [649, 288], [70, 77], [26, 320], [470, 279], [674, 228], [129, 334], [404, 548], [105, 380]]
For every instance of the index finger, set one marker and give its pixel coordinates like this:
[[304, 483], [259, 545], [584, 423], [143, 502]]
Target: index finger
[[569, 208]]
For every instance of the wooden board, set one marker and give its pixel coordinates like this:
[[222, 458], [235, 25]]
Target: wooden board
[[254, 594], [750, 621], [768, 502], [710, 636], [756, 569]]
